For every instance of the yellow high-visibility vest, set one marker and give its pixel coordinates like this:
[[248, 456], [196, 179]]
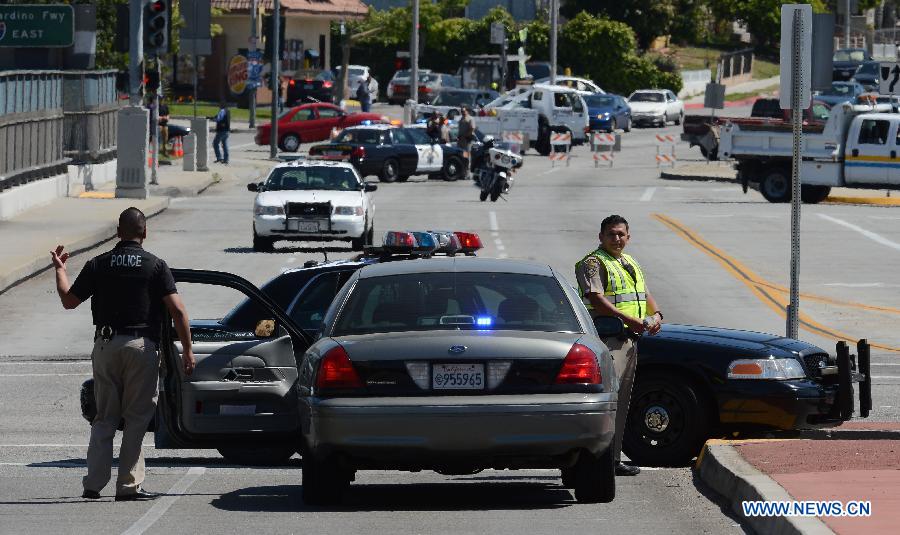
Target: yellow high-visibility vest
[[625, 293]]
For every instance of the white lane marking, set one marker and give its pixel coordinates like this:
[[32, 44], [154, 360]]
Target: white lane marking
[[495, 231], [43, 445], [160, 507], [862, 284], [493, 217], [673, 187], [648, 194], [42, 363], [891, 217], [44, 374], [885, 364], [867, 233], [548, 171], [886, 377]]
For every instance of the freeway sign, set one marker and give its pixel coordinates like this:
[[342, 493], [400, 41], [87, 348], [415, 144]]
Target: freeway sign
[[31, 25]]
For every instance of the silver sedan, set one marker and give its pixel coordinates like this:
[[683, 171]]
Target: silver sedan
[[458, 365]]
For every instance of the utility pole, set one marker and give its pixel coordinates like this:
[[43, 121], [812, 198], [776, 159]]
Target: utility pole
[[414, 54], [135, 50], [154, 121], [275, 77], [847, 26], [254, 12], [554, 22]]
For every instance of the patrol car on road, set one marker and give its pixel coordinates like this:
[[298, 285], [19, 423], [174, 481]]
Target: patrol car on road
[[393, 153], [313, 201]]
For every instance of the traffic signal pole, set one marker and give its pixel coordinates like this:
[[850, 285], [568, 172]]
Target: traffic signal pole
[[135, 50], [275, 77]]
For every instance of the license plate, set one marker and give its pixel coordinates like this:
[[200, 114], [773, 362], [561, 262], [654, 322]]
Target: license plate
[[457, 377], [304, 226], [334, 154], [307, 86]]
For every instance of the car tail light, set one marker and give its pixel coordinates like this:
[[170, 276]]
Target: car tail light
[[336, 371], [469, 241], [579, 367], [424, 89], [358, 152], [326, 84]]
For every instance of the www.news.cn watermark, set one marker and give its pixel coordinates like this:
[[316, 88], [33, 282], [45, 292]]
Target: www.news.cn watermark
[[807, 508]]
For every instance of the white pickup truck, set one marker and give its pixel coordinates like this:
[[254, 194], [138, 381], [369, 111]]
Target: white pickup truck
[[537, 111], [857, 147]]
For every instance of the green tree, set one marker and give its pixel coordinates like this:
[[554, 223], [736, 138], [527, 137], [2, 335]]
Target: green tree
[[648, 18], [762, 17]]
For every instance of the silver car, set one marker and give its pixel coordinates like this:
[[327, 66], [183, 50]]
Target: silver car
[[458, 365]]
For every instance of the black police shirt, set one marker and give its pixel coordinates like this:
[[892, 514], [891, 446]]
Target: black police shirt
[[126, 285]]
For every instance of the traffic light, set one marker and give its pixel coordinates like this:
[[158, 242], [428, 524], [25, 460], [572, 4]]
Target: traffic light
[[156, 28], [267, 23], [151, 80]]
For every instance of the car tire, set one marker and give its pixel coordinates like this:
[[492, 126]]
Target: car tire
[[483, 195], [679, 118], [496, 190], [613, 126], [813, 194], [359, 244], [454, 169], [257, 455], [290, 143], [627, 127], [667, 423], [776, 186], [567, 477], [262, 245], [323, 482], [595, 477], [390, 171]]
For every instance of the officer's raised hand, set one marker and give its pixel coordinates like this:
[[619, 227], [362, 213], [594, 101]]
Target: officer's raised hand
[[59, 257]]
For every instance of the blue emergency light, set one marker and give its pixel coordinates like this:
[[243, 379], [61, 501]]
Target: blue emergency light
[[484, 321]]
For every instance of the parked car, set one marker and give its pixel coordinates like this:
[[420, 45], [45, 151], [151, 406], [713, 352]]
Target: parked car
[[846, 60], [318, 88], [655, 107], [393, 153], [868, 75], [398, 87], [608, 112], [841, 92], [582, 85], [449, 102], [313, 201], [312, 122], [355, 73]]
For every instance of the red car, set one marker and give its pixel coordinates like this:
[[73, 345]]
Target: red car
[[312, 122]]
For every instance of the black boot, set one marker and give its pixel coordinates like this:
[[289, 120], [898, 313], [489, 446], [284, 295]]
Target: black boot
[[623, 469]]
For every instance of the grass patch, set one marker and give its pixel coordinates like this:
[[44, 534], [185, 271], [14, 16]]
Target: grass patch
[[208, 109], [690, 58], [749, 94]]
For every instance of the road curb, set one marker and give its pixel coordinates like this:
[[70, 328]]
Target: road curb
[[674, 175], [102, 234], [191, 190], [724, 469], [876, 201]]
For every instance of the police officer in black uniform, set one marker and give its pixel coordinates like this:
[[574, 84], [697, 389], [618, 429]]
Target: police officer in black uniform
[[128, 287]]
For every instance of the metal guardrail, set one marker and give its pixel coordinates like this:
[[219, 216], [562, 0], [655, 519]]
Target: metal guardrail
[[90, 107], [737, 63]]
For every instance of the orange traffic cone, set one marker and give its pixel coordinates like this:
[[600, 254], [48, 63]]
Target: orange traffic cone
[[150, 156], [178, 149]]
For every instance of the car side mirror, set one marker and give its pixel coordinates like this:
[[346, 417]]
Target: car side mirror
[[264, 328], [370, 187], [253, 186], [608, 326]]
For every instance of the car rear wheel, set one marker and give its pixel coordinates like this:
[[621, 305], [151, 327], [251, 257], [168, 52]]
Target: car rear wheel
[[666, 424], [258, 456], [813, 194], [390, 171], [324, 482], [290, 143], [679, 118], [595, 477], [358, 244], [454, 169], [261, 244], [776, 186], [627, 127]]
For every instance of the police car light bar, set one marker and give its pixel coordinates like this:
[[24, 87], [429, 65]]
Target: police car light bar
[[470, 242], [447, 242]]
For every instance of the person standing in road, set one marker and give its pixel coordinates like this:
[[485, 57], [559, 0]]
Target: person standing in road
[[163, 127], [612, 284], [128, 287], [466, 134], [362, 95], [223, 127]]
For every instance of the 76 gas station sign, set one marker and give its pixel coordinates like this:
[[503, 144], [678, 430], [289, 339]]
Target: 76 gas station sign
[[33, 25]]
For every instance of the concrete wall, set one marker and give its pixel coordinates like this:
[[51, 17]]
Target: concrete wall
[[236, 29], [694, 82], [79, 178]]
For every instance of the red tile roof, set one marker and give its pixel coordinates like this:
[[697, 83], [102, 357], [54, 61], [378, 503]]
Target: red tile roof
[[339, 8]]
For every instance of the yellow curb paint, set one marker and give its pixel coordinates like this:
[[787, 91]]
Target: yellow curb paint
[[97, 195], [880, 201], [756, 284]]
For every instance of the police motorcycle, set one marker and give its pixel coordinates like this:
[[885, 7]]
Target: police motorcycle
[[493, 165]]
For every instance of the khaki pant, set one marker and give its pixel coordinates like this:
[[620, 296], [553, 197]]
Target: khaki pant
[[624, 355], [126, 371]]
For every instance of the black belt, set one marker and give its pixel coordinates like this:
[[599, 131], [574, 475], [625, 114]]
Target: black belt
[[107, 333]]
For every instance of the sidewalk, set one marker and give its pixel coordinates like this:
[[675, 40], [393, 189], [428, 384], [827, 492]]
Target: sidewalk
[[83, 222], [858, 460], [723, 171], [753, 86]]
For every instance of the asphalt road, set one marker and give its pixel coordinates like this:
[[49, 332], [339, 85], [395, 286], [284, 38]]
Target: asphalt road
[[712, 255]]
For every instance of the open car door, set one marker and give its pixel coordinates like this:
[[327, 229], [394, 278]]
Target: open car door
[[242, 396]]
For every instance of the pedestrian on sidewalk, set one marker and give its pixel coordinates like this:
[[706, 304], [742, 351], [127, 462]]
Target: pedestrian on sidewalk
[[612, 284], [128, 287], [363, 96], [223, 127]]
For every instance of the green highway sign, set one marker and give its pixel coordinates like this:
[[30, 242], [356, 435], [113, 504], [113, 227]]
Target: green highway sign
[[33, 25]]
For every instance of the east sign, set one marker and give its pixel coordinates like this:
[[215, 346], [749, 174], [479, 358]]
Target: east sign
[[32, 25]]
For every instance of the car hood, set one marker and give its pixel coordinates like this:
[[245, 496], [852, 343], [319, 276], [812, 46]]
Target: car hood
[[638, 107], [337, 198], [430, 345], [749, 343]]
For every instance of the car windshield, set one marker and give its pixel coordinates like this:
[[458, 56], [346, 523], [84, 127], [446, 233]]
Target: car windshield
[[647, 97], [453, 301], [599, 101], [356, 72], [312, 177], [454, 98], [371, 137], [849, 55], [868, 68], [325, 75], [838, 89]]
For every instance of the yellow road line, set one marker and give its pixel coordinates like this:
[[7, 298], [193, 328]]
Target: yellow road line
[[882, 201], [97, 195], [759, 286]]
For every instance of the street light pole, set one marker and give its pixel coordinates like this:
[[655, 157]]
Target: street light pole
[[554, 22], [135, 50], [414, 54], [253, 37], [275, 77]]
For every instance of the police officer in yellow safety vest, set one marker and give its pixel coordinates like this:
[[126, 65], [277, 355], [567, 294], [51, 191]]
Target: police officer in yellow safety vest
[[612, 284]]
